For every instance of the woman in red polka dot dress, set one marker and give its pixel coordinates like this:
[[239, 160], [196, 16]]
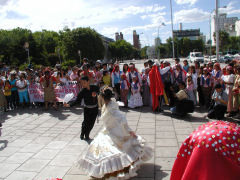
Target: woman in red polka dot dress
[[212, 152]]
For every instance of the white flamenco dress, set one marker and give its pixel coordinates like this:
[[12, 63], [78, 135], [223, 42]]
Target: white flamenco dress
[[114, 154]]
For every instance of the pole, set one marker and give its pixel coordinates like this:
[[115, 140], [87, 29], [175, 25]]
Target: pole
[[217, 32], [58, 50], [158, 48], [28, 56], [210, 23], [172, 30]]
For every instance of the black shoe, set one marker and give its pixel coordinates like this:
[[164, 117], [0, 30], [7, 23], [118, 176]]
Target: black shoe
[[81, 136]]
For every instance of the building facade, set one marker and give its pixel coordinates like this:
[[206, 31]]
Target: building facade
[[118, 36], [192, 34], [136, 41], [237, 28], [224, 24]]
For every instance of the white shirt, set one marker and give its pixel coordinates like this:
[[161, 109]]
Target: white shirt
[[228, 79], [21, 84]]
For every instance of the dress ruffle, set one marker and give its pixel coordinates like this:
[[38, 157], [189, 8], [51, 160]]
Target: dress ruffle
[[114, 154], [114, 163]]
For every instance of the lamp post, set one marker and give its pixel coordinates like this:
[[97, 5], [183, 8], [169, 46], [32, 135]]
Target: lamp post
[[159, 43], [172, 30], [26, 47], [216, 30], [79, 53], [58, 51]]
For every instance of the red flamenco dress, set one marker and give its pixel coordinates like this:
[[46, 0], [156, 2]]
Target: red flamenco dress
[[212, 152]]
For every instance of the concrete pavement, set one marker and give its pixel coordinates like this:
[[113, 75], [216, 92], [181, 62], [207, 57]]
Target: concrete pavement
[[39, 145]]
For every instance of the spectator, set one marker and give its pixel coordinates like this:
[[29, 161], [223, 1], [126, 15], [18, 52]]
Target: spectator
[[14, 90], [219, 104], [124, 88], [22, 90], [116, 75], [7, 94], [182, 104], [236, 92], [206, 84], [3, 101], [106, 78], [178, 76], [47, 83], [228, 81], [135, 98], [216, 74], [146, 88], [185, 65]]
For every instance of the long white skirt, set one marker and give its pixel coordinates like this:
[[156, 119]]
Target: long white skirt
[[104, 157], [135, 100]]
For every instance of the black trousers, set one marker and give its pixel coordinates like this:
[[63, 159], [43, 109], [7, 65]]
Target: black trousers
[[217, 112], [117, 86], [15, 98], [169, 93], [90, 115]]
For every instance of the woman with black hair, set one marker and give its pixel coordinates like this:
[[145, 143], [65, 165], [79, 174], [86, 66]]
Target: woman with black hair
[[116, 152]]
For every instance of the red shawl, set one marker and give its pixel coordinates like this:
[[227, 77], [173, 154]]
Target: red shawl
[[156, 86], [210, 152]]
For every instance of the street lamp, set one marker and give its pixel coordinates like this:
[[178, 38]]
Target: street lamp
[[58, 51], [158, 52], [79, 53], [172, 30], [26, 47]]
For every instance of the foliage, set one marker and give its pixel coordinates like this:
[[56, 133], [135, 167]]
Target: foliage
[[143, 52], [68, 63], [182, 47], [121, 49], [87, 40], [49, 47]]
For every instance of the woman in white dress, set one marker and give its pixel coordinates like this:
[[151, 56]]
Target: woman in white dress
[[116, 152]]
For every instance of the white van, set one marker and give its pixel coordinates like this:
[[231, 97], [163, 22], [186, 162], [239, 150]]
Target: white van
[[196, 57]]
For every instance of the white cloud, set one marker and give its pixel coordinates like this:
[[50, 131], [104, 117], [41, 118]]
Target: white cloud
[[55, 14], [191, 16], [191, 2], [230, 9]]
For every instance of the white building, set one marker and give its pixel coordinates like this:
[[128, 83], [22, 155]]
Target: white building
[[237, 28], [224, 24]]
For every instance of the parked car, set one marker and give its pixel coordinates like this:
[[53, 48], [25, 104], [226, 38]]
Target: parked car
[[196, 57]]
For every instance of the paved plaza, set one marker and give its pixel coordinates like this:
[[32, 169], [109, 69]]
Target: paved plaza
[[38, 145]]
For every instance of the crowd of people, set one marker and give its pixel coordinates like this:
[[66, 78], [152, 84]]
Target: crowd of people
[[179, 85]]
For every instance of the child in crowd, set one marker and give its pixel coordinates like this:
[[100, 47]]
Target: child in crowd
[[106, 78], [135, 98], [124, 88], [190, 88], [7, 94]]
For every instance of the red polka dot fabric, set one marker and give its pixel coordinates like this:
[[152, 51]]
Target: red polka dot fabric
[[213, 149]]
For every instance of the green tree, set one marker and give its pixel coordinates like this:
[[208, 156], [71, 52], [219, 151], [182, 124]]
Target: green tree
[[87, 40], [223, 40], [143, 52], [121, 49]]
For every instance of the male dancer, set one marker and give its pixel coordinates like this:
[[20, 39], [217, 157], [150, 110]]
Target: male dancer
[[89, 95]]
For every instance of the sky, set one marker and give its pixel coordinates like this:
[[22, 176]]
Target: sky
[[109, 16]]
